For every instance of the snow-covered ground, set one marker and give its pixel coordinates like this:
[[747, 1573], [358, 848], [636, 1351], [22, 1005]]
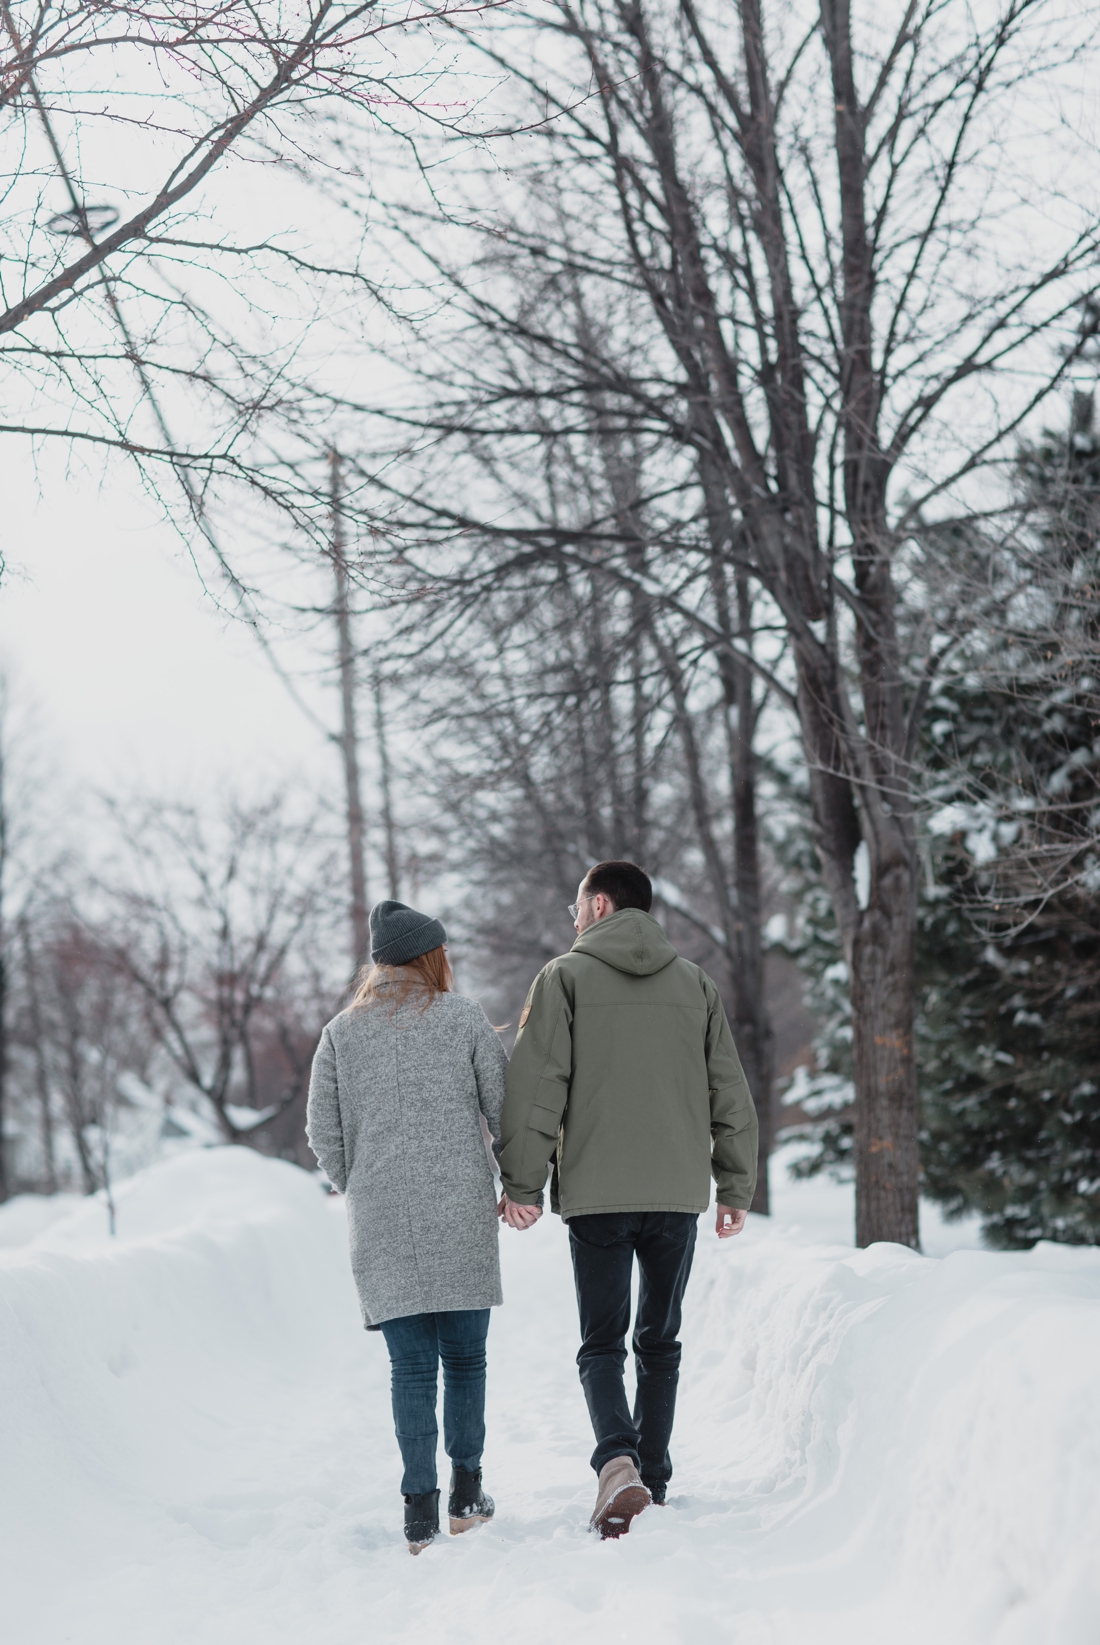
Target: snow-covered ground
[[195, 1442], [25, 1216]]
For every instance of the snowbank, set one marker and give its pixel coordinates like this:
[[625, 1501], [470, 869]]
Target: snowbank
[[871, 1445], [25, 1216]]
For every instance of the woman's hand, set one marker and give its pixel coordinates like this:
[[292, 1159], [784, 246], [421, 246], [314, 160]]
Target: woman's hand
[[518, 1216]]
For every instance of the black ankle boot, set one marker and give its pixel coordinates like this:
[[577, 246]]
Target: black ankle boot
[[421, 1520], [467, 1504]]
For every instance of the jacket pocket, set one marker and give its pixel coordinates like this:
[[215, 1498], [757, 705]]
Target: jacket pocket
[[544, 1121], [736, 1118]]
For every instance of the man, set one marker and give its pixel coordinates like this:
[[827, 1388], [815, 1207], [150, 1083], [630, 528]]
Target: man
[[625, 1075]]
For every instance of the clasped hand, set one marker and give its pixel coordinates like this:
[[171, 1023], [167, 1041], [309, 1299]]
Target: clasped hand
[[518, 1216]]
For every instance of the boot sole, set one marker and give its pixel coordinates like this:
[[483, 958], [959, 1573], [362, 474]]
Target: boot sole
[[460, 1525], [624, 1506], [417, 1547]]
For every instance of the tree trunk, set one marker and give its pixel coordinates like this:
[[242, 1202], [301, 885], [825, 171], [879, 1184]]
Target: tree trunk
[[41, 1072], [882, 979], [348, 740], [393, 865], [879, 949], [882, 946], [740, 915], [74, 1102], [752, 1027], [5, 1185]]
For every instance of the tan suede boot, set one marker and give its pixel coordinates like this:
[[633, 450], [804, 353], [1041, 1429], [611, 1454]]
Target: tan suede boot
[[619, 1497]]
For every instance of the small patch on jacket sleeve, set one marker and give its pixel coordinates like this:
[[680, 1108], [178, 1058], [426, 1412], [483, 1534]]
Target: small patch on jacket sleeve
[[525, 1013]]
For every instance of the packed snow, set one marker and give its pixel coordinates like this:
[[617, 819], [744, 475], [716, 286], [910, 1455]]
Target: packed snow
[[871, 1445]]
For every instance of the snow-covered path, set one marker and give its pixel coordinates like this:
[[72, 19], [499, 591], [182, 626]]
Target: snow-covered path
[[195, 1442]]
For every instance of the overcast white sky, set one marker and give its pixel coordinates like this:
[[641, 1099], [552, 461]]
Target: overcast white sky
[[103, 620]]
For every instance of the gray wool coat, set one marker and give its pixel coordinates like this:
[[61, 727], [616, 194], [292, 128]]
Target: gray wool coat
[[395, 1100]]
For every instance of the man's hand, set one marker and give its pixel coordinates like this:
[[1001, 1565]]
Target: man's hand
[[518, 1216], [729, 1221]]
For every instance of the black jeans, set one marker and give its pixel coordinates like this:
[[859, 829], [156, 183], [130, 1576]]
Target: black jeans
[[603, 1248], [417, 1343]]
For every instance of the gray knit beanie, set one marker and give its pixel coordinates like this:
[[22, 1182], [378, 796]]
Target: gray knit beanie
[[399, 934]]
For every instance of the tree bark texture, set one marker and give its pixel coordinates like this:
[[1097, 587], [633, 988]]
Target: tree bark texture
[[752, 1027], [887, 1118]]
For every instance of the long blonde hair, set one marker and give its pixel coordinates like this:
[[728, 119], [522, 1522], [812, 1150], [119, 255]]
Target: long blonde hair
[[427, 976]]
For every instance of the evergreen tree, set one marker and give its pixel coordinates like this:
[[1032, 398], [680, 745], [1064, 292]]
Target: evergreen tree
[[1009, 950], [1008, 1048]]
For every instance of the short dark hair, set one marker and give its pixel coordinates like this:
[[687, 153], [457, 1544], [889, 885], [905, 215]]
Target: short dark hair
[[624, 883]]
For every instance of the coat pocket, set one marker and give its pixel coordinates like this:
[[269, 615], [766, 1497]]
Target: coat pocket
[[737, 1118], [545, 1121]]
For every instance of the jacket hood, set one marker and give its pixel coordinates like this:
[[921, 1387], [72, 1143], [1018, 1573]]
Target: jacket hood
[[630, 941]]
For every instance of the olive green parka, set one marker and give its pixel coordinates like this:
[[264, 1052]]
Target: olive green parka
[[625, 1074]]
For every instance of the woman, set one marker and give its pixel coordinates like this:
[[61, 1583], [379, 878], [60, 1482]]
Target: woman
[[399, 1084]]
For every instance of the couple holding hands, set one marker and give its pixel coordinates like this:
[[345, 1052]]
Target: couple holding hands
[[624, 1082]]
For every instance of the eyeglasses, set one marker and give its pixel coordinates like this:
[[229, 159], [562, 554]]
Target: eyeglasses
[[575, 907]]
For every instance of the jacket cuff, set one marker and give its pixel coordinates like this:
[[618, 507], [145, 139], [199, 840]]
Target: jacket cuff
[[521, 1196]]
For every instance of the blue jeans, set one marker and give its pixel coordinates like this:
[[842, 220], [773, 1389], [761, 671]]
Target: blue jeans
[[417, 1343]]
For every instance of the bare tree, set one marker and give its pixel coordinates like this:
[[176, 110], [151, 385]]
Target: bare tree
[[156, 291], [38, 1036], [94, 1033], [570, 718], [816, 254], [563, 617], [215, 922]]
